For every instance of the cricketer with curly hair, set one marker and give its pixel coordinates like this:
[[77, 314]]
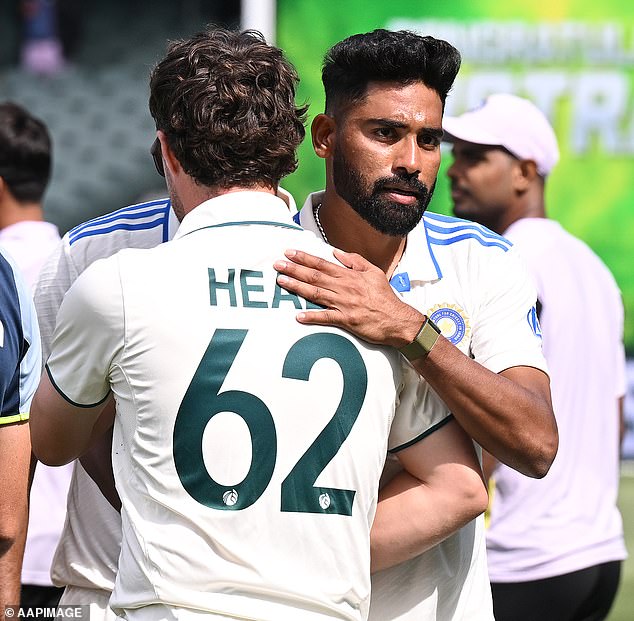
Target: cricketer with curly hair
[[247, 448]]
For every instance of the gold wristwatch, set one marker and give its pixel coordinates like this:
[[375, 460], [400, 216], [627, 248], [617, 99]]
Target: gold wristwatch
[[423, 342]]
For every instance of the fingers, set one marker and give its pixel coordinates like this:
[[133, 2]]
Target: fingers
[[317, 263], [353, 260], [311, 292], [322, 318], [350, 260]]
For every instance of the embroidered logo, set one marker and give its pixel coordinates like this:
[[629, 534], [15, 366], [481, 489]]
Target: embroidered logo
[[452, 321]]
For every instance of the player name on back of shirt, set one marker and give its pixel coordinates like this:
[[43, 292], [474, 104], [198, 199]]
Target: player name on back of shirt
[[250, 284]]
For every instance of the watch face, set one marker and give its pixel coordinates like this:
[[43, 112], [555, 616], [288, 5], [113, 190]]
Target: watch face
[[423, 342]]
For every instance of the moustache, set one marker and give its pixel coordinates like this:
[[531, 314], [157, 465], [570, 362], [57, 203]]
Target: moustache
[[409, 183]]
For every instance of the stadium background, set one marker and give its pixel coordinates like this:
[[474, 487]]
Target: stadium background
[[575, 58]]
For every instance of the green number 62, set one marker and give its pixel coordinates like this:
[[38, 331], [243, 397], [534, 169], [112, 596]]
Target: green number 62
[[203, 400]]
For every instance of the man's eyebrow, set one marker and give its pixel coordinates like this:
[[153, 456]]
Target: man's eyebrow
[[433, 131], [388, 123]]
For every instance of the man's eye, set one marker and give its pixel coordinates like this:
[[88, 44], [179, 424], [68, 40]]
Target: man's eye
[[429, 140], [384, 132]]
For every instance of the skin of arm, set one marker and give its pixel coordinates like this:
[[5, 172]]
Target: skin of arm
[[15, 457], [442, 481], [97, 460], [60, 431], [509, 414]]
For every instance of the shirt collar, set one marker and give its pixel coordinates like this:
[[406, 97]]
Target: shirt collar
[[239, 207], [418, 261], [307, 213]]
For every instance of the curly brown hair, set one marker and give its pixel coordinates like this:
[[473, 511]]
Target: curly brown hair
[[226, 103]]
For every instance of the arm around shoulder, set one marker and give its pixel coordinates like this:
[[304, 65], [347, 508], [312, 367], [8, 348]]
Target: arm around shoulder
[[439, 491]]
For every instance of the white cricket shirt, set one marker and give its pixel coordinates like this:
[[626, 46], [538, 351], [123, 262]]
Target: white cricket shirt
[[471, 282], [248, 447]]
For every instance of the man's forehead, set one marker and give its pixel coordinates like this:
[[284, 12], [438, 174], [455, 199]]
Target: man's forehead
[[394, 100], [461, 148]]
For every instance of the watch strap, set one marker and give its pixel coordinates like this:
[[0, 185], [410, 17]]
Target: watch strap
[[423, 342]]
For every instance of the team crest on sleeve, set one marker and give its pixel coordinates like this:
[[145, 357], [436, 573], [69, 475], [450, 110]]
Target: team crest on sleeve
[[452, 321], [533, 322]]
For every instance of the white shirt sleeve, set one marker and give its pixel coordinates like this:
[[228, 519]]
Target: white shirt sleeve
[[57, 275], [419, 411], [506, 333], [88, 336]]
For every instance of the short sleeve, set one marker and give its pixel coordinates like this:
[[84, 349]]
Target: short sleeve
[[506, 332], [419, 411], [20, 350], [56, 277], [88, 335]]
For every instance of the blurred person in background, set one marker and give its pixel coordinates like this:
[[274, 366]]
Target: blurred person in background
[[41, 48], [20, 365], [555, 546], [380, 138], [25, 169]]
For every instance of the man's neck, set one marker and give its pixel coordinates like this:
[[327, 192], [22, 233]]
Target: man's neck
[[531, 206], [192, 195], [345, 229], [12, 213]]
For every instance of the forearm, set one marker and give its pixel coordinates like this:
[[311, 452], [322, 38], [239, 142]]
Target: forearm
[[412, 517], [11, 553], [512, 422], [15, 459], [97, 462]]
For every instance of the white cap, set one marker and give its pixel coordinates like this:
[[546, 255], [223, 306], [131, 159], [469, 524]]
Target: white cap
[[511, 122]]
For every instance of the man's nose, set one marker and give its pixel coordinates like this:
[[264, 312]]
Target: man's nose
[[408, 158]]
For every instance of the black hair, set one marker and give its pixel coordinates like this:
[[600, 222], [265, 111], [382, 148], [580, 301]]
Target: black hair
[[386, 56], [25, 153]]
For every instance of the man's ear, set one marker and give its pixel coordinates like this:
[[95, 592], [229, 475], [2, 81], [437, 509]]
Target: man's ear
[[526, 174], [323, 132], [169, 159]]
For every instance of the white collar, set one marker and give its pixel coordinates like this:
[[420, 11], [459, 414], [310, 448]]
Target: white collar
[[240, 207]]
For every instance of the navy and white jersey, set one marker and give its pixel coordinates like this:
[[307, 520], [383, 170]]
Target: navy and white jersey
[[20, 354], [472, 283]]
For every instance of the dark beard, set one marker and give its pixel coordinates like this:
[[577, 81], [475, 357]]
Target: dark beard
[[387, 217]]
